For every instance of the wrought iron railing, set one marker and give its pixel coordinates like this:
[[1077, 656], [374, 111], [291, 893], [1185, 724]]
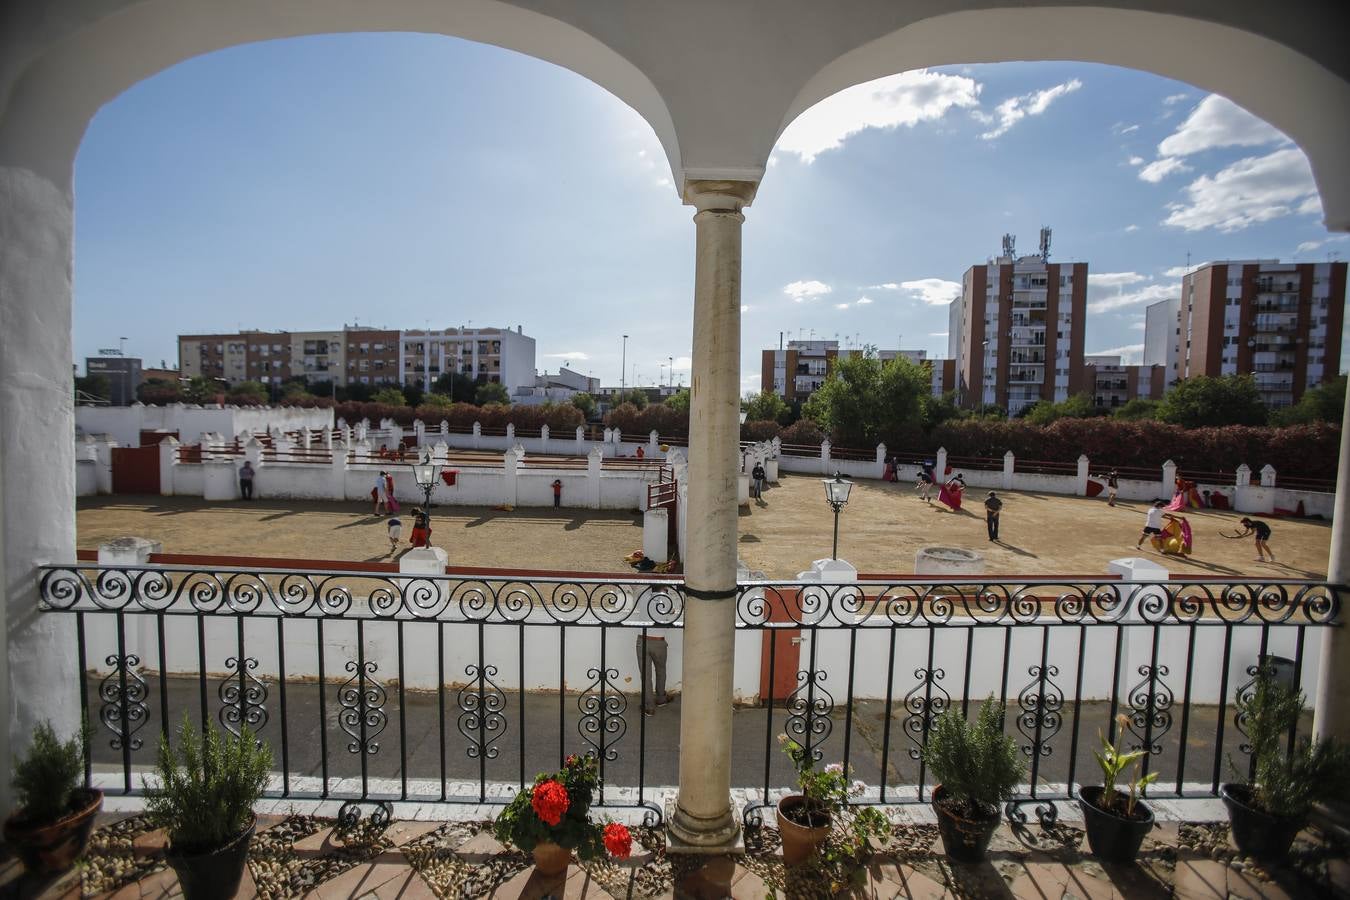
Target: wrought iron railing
[[480, 682]]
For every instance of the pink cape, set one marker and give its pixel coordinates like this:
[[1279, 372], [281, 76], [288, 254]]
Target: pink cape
[[950, 497]]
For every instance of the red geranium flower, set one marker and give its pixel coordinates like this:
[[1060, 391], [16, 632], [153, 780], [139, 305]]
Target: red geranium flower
[[550, 801], [618, 840]]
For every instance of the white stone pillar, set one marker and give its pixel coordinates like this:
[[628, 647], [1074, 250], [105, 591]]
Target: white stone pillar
[[881, 460], [510, 463], [653, 445], [656, 534], [337, 483], [477, 435], [1243, 478], [703, 819], [510, 434], [940, 465], [1331, 704], [1169, 479], [103, 455], [39, 672], [441, 453], [1009, 470], [595, 461], [168, 464], [543, 438], [1268, 476], [1080, 485], [826, 463], [580, 440]]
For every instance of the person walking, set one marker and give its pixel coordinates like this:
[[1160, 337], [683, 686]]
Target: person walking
[[992, 506], [651, 648], [421, 533], [557, 493], [924, 484], [395, 532], [246, 480], [1112, 485], [380, 494], [1152, 522], [1262, 532], [758, 476]]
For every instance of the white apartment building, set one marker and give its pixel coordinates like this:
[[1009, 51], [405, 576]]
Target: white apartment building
[[484, 354]]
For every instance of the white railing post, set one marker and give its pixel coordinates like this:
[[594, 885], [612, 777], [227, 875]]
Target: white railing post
[[1268, 476], [477, 435], [509, 470], [543, 438], [940, 465], [826, 465], [1169, 479], [1080, 485], [337, 472], [881, 460], [1009, 470], [594, 472]]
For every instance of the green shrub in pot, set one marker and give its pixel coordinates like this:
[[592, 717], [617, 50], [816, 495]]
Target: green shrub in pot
[[977, 767], [55, 816]]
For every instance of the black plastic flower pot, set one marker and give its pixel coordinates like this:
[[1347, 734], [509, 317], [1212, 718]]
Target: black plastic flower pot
[[965, 838], [1256, 832], [1112, 836], [215, 874]]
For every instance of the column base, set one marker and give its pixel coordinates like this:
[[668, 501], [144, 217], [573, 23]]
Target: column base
[[687, 833]]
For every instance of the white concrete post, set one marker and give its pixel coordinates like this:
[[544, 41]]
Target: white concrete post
[[1080, 484], [1136, 648], [39, 671], [1331, 709], [703, 819], [445, 429], [580, 440], [595, 461], [826, 464], [652, 445], [1169, 479], [328, 439], [1268, 476], [168, 465], [337, 477], [543, 438], [283, 446], [940, 465], [881, 460], [253, 452], [1010, 469], [510, 434], [1243, 478], [441, 452], [220, 479], [103, 454], [395, 434], [656, 534], [510, 465], [477, 440], [771, 469]]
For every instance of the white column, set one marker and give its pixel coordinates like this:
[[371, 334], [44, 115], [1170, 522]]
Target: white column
[[826, 464], [39, 672], [703, 819], [1169, 479], [1331, 710], [594, 472], [1009, 470], [168, 463], [1080, 485]]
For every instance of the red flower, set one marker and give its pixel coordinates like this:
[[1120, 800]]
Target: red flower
[[618, 840], [572, 760], [550, 801]]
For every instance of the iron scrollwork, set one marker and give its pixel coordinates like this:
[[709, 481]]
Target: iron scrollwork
[[124, 711], [809, 707], [1041, 705], [1150, 714], [242, 705], [923, 704], [363, 717], [480, 718], [602, 713]]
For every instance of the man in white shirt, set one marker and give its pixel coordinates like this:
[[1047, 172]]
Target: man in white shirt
[[1152, 522]]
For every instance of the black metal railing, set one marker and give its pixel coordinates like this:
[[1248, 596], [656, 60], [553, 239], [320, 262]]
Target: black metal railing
[[332, 668], [375, 687], [873, 664]]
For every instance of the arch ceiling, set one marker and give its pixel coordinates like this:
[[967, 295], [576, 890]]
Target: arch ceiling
[[717, 81]]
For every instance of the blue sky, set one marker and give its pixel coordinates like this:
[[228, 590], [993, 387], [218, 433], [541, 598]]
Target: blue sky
[[405, 180]]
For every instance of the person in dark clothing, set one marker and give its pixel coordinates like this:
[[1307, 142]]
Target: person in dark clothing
[[757, 478], [992, 506], [246, 480], [1262, 533], [1112, 486], [557, 493]]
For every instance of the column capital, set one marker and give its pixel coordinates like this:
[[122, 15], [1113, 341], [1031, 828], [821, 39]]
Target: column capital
[[730, 196]]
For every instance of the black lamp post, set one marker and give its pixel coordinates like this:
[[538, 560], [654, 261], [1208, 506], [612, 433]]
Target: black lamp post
[[425, 473], [836, 494]]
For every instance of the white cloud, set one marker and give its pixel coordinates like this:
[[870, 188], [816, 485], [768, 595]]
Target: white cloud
[[1136, 160], [1251, 190], [1107, 291], [905, 99], [1172, 99], [1015, 109], [888, 286], [841, 306], [1177, 272], [1122, 128], [682, 363], [863, 301], [1218, 122], [1137, 326], [1159, 169], [938, 333], [806, 290], [1309, 246], [1128, 354], [1130, 228], [933, 291], [575, 354], [1312, 206], [745, 307]]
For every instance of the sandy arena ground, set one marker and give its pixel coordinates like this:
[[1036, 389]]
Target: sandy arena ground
[[879, 532]]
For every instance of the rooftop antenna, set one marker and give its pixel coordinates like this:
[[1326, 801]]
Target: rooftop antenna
[[1009, 245], [1045, 243]]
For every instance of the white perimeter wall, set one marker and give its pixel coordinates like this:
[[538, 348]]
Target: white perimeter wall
[[125, 423]]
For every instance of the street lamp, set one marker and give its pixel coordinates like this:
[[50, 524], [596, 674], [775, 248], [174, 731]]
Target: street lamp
[[425, 473], [836, 494]]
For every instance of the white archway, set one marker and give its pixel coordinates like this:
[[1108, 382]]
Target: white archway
[[1296, 95]]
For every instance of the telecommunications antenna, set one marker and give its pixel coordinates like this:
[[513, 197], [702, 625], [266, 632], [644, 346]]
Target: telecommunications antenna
[[1009, 245], [1045, 243]]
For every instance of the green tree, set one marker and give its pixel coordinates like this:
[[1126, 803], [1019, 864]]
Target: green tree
[[390, 396], [437, 401], [584, 402], [294, 389], [937, 410], [863, 402], [356, 392], [1079, 406], [766, 406], [158, 391], [679, 401], [491, 392], [1324, 403], [634, 396], [248, 392], [200, 389], [1136, 409], [457, 386], [96, 387], [1202, 401], [413, 394]]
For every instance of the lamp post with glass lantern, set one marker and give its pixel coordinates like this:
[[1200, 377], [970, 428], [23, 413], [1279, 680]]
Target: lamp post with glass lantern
[[836, 494], [425, 473]]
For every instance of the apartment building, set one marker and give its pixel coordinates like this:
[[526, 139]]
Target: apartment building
[[318, 355], [497, 355], [216, 356], [797, 371], [1021, 326], [1114, 384], [372, 356], [1160, 331], [1280, 322]]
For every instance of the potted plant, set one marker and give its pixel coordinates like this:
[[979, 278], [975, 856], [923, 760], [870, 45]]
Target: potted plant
[[204, 803], [1117, 821], [551, 819], [1267, 812], [56, 812], [977, 767], [820, 821]]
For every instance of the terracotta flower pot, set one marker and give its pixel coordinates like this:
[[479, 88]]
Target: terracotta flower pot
[[215, 874], [550, 858], [51, 849], [800, 842], [965, 838]]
